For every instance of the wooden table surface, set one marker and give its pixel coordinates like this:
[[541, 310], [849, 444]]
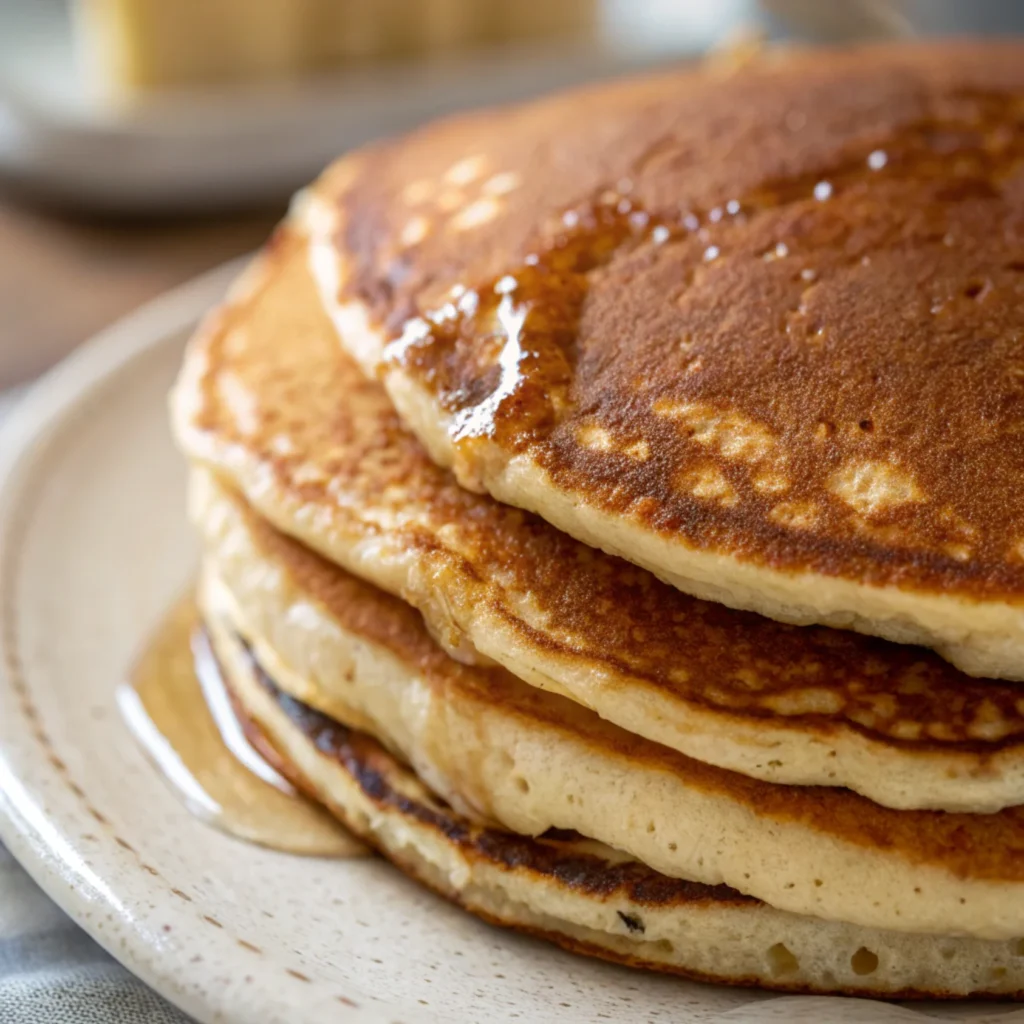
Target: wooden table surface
[[64, 278]]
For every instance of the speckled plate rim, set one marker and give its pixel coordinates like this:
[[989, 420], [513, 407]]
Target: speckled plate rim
[[37, 841], [25, 828]]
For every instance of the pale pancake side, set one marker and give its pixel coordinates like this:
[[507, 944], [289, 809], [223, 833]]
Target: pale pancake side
[[757, 332], [268, 400], [584, 897], [531, 761]]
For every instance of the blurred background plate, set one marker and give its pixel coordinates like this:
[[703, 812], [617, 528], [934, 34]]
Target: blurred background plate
[[242, 144], [64, 137]]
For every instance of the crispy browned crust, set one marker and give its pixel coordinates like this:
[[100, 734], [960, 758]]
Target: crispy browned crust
[[874, 321], [550, 858]]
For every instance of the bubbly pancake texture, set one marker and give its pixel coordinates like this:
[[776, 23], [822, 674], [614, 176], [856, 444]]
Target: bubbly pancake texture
[[512, 754], [269, 401], [588, 898], [757, 331]]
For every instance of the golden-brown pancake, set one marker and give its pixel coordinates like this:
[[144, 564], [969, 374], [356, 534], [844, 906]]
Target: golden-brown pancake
[[268, 400], [585, 897], [512, 754], [758, 331]]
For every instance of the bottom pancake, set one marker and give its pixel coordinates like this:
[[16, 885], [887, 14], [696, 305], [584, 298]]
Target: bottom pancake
[[526, 760], [581, 895]]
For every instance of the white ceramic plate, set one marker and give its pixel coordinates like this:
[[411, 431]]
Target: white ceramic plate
[[93, 548]]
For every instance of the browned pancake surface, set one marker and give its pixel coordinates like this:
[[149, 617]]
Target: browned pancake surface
[[777, 314]]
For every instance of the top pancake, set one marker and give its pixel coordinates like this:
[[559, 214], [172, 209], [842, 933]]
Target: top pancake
[[269, 401], [757, 330]]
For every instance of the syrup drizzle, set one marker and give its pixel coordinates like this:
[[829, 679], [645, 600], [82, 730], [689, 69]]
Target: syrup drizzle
[[177, 707], [501, 357]]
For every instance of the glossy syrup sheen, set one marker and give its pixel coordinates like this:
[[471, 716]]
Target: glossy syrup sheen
[[501, 355], [775, 316], [177, 707]]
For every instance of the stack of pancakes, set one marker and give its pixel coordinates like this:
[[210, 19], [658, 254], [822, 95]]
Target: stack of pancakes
[[575, 478]]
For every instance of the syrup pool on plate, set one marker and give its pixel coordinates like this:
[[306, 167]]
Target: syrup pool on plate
[[177, 707]]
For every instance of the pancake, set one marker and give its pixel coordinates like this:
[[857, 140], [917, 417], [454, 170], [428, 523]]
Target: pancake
[[530, 761], [268, 400], [585, 897], [758, 331]]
